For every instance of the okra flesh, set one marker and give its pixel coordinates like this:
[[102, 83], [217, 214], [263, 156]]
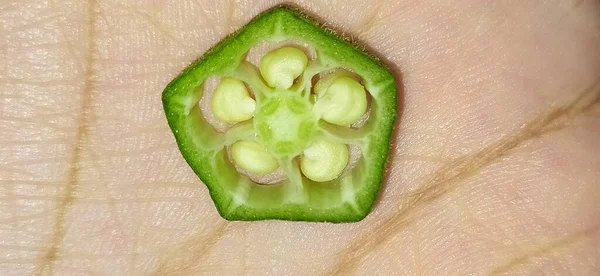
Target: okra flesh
[[280, 121]]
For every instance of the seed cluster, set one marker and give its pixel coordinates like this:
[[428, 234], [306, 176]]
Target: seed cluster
[[285, 119]]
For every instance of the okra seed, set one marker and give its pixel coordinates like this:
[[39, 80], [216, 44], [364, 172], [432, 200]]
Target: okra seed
[[324, 161], [321, 86], [341, 101], [282, 66], [231, 101], [254, 157]]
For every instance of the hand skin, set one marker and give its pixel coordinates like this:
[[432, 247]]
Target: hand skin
[[494, 168]]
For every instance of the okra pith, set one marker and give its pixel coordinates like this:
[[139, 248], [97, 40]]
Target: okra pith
[[279, 121]]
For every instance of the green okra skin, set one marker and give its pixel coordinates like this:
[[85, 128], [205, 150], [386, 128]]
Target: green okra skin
[[346, 198]]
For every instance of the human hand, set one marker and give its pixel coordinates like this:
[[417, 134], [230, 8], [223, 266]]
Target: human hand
[[494, 168]]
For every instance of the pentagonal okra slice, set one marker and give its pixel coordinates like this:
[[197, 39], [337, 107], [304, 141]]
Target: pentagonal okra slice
[[279, 127]]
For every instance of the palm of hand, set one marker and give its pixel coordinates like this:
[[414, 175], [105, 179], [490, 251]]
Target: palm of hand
[[494, 167]]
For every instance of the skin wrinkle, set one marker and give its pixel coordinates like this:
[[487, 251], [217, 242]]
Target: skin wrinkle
[[16, 218], [245, 265], [80, 200], [534, 215], [36, 24], [53, 126], [417, 252], [155, 184], [17, 171], [427, 158], [231, 11], [206, 14], [473, 221], [449, 176], [370, 20], [11, 182], [545, 249], [166, 35], [63, 33], [33, 117], [46, 45], [376, 18], [35, 142], [43, 83], [191, 252], [37, 162], [46, 263], [130, 153], [10, 193], [517, 247], [9, 7], [133, 258]]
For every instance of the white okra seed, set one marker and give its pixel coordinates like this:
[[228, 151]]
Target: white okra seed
[[341, 101], [254, 157], [324, 160], [231, 101], [282, 66]]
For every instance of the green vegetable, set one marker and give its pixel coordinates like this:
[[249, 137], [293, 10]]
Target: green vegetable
[[279, 123]]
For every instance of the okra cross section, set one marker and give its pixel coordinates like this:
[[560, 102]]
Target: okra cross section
[[314, 114]]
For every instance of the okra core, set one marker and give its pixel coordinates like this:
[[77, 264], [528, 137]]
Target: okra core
[[286, 112]]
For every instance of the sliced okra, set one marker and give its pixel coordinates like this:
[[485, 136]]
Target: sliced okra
[[281, 123]]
